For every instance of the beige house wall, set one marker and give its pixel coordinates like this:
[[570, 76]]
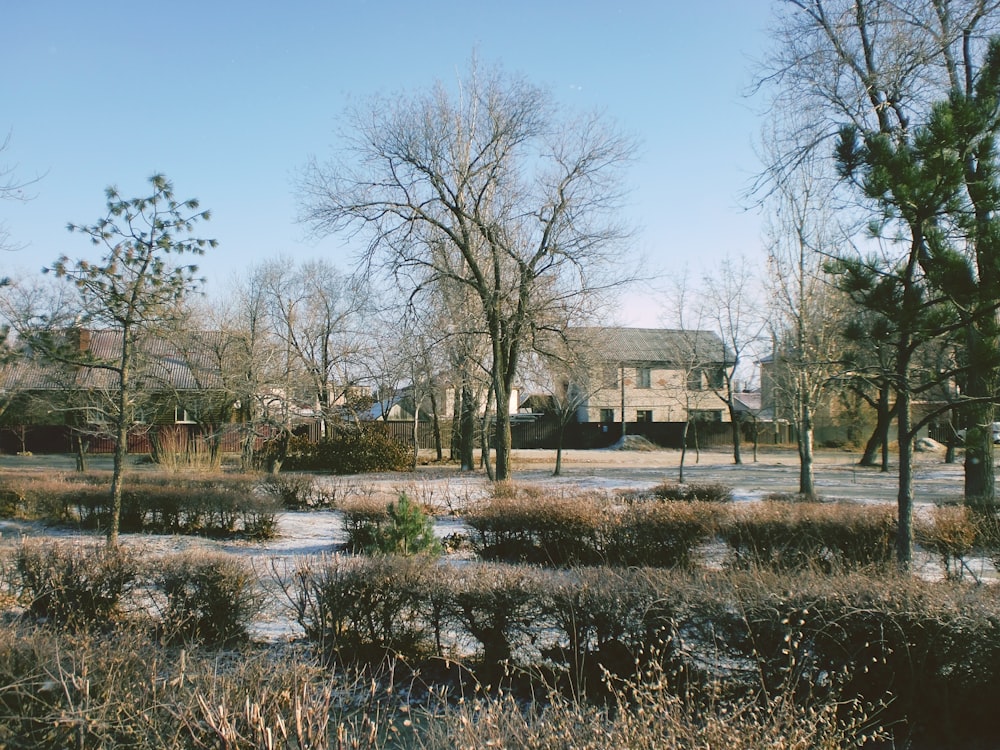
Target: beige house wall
[[668, 397]]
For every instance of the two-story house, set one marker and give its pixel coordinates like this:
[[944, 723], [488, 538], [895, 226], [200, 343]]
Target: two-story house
[[650, 375]]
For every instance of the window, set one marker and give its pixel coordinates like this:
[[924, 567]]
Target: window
[[610, 376], [705, 415], [643, 377], [644, 415], [607, 415], [695, 382], [183, 416]]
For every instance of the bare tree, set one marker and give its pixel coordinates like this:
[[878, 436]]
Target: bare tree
[[731, 306], [868, 74], [316, 313], [12, 188], [806, 309], [524, 199], [696, 358]]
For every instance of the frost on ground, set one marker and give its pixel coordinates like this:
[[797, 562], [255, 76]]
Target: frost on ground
[[309, 534]]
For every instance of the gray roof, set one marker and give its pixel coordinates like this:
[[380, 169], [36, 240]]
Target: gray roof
[[170, 365], [652, 345]]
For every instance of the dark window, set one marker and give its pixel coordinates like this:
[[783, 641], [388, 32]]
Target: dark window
[[705, 415], [183, 416], [610, 376], [644, 415], [643, 377], [607, 415], [695, 381]]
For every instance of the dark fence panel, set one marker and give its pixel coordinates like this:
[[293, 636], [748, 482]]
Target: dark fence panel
[[59, 439], [527, 434]]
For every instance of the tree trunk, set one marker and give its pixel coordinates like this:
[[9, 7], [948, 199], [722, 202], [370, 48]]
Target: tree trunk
[[436, 422], [276, 458], [502, 439], [980, 479], [904, 499], [467, 429], [880, 435], [559, 448], [120, 454], [807, 486], [416, 434], [734, 419], [684, 447], [81, 452], [484, 448]]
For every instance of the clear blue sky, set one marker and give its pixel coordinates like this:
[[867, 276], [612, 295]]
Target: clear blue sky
[[229, 100]]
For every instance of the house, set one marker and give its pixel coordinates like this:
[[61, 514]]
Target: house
[[398, 405], [176, 386], [648, 375]]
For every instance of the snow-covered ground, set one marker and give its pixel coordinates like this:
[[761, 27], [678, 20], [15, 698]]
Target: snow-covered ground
[[306, 534]]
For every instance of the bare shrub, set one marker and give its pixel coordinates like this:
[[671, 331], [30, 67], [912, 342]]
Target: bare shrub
[[950, 533], [802, 535], [791, 497], [890, 636], [160, 504], [364, 608], [660, 534], [705, 492], [296, 491], [498, 606], [75, 585], [526, 525], [602, 619], [211, 598]]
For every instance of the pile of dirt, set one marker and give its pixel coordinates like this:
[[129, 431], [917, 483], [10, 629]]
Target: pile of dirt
[[634, 443]]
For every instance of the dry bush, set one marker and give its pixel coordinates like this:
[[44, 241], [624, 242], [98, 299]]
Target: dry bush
[[364, 608], [48, 496], [827, 536], [125, 690], [988, 534], [950, 533], [75, 585], [362, 517], [175, 449], [499, 606], [706, 492], [297, 491], [602, 620], [660, 534], [791, 497], [527, 525], [934, 648], [210, 598], [158, 503]]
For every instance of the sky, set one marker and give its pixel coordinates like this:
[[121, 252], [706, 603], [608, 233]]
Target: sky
[[230, 100]]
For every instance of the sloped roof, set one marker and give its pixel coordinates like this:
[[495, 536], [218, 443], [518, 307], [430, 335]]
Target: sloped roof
[[649, 345], [170, 365]]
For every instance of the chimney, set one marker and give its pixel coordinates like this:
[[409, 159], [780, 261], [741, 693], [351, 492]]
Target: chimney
[[81, 337]]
